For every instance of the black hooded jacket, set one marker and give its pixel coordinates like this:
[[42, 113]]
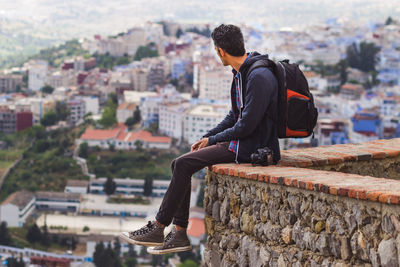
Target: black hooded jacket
[[256, 127]]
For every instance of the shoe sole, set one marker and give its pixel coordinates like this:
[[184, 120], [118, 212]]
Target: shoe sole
[[140, 243], [165, 251]]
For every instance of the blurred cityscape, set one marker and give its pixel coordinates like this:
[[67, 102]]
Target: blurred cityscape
[[89, 127]]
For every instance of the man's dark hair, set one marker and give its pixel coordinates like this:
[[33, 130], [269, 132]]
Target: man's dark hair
[[230, 39]]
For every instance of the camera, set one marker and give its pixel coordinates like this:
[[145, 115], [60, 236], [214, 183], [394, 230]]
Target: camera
[[264, 156]]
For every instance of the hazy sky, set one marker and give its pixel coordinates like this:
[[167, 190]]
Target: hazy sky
[[81, 17]]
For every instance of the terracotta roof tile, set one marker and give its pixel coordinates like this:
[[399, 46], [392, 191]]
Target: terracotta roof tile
[[196, 227], [119, 133], [99, 134], [349, 86], [129, 106]]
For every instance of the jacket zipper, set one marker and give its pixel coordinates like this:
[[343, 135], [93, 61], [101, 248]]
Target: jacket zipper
[[240, 112]]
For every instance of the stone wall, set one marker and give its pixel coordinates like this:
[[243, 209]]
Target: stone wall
[[293, 216]]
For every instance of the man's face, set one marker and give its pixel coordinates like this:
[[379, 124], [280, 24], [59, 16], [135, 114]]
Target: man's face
[[221, 54]]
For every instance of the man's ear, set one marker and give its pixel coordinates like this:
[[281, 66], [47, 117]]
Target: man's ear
[[221, 52]]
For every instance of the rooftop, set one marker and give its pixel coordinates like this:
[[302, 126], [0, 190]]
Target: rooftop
[[19, 198], [128, 106], [353, 87], [77, 183], [196, 227], [58, 195]]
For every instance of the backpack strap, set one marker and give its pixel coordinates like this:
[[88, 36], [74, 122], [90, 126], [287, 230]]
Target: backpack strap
[[264, 64]]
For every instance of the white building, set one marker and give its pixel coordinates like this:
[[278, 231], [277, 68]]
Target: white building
[[140, 79], [37, 74], [202, 118], [77, 109], [38, 105], [129, 186], [63, 78], [214, 82], [171, 118], [149, 109], [125, 111], [333, 82], [121, 138], [91, 104], [77, 186], [17, 207], [60, 201], [351, 91], [315, 81], [135, 96], [388, 106], [114, 46]]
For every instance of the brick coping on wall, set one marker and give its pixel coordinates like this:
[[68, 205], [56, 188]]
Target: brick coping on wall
[[336, 154], [335, 183]]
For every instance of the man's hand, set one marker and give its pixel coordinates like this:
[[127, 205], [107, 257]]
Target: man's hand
[[199, 144]]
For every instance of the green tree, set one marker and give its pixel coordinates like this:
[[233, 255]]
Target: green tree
[[130, 262], [188, 263], [62, 111], [205, 32], [34, 234], [45, 239], [47, 89], [98, 253], [86, 229], [109, 117], [117, 246], [148, 186], [84, 150], [389, 21], [136, 115], [13, 262], [139, 145], [179, 32], [125, 60], [342, 66], [186, 255], [131, 252], [143, 251], [114, 98], [25, 79], [200, 198], [105, 257], [109, 186], [153, 128], [362, 57], [104, 61], [146, 51], [41, 146], [5, 238], [156, 260], [49, 118], [129, 122], [111, 147]]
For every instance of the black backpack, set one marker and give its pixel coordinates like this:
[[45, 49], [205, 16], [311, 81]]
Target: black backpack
[[297, 114]]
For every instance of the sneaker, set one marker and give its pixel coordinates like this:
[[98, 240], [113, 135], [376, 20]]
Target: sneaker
[[175, 241], [151, 234]]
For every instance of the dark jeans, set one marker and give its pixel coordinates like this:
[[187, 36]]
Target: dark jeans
[[176, 202]]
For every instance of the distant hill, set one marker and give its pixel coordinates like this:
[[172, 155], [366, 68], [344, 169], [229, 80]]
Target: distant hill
[[27, 26]]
